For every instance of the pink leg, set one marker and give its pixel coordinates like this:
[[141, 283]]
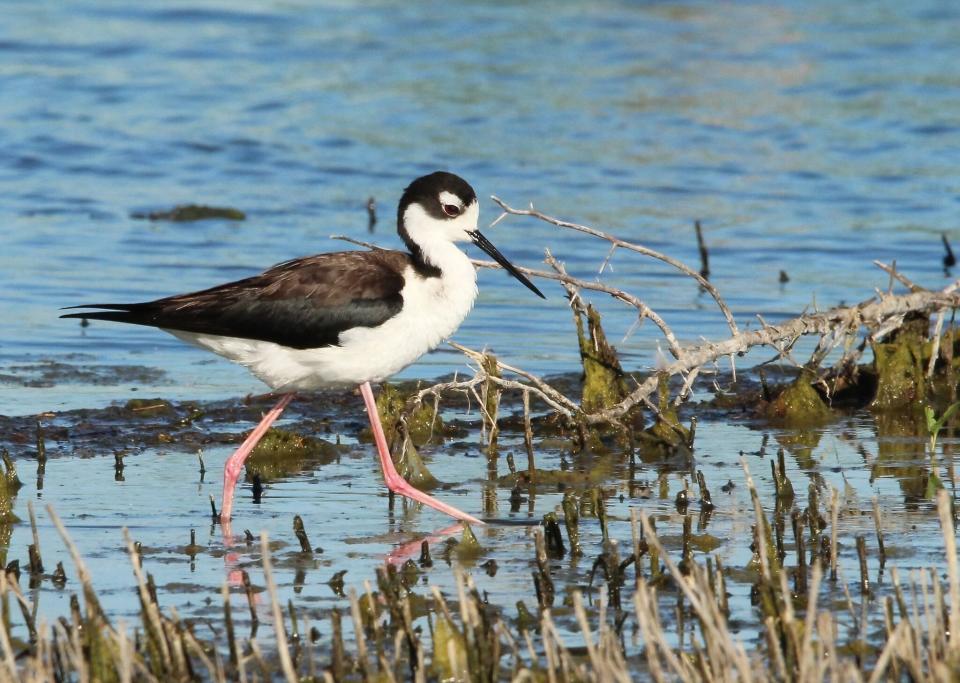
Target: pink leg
[[395, 482], [231, 470]]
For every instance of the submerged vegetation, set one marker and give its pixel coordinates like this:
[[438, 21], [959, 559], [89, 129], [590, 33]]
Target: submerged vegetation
[[192, 212], [637, 565]]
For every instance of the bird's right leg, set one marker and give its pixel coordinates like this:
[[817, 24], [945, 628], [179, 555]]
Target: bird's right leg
[[231, 470], [394, 481]]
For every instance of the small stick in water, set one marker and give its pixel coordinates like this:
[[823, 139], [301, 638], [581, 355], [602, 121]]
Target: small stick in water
[[248, 587], [301, 534], [59, 576], [706, 502], [228, 621], [834, 517], [371, 214], [425, 559], [36, 564], [553, 537], [528, 438], [949, 260], [862, 554], [878, 524], [193, 549], [41, 456], [704, 255]]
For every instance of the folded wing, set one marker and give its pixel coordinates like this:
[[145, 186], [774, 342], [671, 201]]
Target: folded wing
[[303, 303]]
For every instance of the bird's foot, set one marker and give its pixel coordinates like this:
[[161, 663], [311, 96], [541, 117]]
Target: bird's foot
[[400, 485]]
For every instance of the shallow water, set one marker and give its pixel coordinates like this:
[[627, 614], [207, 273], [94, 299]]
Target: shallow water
[[807, 137], [161, 495]]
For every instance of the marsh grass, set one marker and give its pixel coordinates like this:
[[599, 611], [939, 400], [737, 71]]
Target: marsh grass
[[397, 634]]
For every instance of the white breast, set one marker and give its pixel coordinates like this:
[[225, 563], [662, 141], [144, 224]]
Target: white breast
[[433, 309]]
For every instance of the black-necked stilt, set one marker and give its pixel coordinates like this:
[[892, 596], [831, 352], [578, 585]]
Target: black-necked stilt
[[347, 317]]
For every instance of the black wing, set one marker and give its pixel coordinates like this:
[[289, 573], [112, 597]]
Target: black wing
[[304, 303]]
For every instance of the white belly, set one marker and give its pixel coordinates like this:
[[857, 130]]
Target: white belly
[[433, 309]]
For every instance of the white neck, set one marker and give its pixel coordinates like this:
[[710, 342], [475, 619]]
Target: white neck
[[437, 239]]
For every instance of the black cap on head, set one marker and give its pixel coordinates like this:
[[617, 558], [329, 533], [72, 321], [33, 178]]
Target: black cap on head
[[426, 192]]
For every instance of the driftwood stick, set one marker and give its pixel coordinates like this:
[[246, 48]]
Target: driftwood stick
[[630, 246], [871, 313], [874, 314], [546, 392], [892, 271], [644, 310]]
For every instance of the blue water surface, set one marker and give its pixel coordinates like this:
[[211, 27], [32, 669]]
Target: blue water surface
[[807, 137]]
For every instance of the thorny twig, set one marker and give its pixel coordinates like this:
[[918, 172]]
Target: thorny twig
[[630, 246]]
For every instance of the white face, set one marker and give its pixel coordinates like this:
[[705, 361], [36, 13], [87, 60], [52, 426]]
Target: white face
[[455, 226]]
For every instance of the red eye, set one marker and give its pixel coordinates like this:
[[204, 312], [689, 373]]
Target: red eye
[[451, 210]]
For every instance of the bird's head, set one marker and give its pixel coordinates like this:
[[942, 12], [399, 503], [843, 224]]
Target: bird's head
[[441, 208], [438, 207]]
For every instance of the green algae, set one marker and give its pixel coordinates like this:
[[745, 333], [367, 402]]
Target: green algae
[[150, 407], [899, 365], [9, 485], [411, 466], [525, 620], [393, 407], [572, 478], [799, 404], [282, 453], [468, 547], [666, 430], [604, 382], [449, 650]]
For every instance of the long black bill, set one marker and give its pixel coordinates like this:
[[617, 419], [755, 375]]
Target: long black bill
[[488, 247]]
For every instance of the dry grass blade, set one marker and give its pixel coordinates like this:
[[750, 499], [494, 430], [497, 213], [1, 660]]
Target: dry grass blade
[[283, 650]]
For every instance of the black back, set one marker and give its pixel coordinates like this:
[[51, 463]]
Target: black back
[[303, 303]]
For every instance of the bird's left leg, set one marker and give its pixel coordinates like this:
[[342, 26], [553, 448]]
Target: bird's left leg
[[231, 470], [395, 482]]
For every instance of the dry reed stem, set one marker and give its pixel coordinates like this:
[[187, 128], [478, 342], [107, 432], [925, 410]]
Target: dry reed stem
[[944, 507], [89, 595], [8, 658], [283, 651], [153, 621]]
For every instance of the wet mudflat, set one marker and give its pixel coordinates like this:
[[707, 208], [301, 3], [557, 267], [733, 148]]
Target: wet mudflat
[[151, 466]]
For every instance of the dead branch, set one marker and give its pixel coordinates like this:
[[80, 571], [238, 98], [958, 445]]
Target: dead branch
[[630, 246]]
